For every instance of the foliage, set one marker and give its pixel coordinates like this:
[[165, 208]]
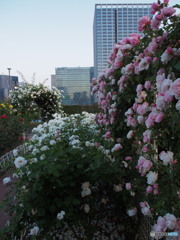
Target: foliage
[[36, 101], [11, 128]]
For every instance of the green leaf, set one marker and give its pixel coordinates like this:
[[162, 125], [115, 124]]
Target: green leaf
[[177, 66]]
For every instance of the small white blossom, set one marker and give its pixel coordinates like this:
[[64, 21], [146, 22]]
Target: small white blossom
[[20, 162], [15, 152], [152, 177], [86, 208], [34, 230], [44, 148], [6, 180], [52, 142], [60, 215]]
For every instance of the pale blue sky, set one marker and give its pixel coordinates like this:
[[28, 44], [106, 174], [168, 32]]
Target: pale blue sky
[[39, 35]]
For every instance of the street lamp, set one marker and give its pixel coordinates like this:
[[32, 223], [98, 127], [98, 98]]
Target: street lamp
[[9, 69]]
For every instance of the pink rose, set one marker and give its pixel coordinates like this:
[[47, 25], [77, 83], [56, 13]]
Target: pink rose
[[128, 186], [133, 122], [168, 11], [145, 149], [147, 85], [116, 147], [155, 23], [156, 192], [143, 22], [168, 97], [139, 88], [142, 204], [159, 117], [108, 134], [155, 185], [149, 122], [149, 189], [175, 88], [147, 136], [160, 102], [147, 165], [155, 6], [128, 158]]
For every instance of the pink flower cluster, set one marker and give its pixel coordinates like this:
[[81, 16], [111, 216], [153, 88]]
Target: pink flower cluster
[[144, 165], [168, 222], [145, 209], [152, 189]]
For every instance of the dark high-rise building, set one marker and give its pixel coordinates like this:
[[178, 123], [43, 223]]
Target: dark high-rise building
[[75, 83], [6, 84], [112, 23]]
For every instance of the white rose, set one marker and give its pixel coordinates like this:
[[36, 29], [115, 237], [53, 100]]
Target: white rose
[[15, 152], [117, 188], [166, 157], [86, 208], [131, 212], [6, 180], [44, 148], [60, 215], [34, 230], [130, 134], [20, 162], [170, 221], [52, 142], [42, 157], [140, 119], [152, 177], [35, 151], [146, 211]]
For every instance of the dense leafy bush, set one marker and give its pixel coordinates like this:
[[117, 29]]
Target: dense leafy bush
[[11, 128], [65, 185], [36, 101]]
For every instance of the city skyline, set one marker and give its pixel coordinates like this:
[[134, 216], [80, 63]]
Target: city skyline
[[38, 36]]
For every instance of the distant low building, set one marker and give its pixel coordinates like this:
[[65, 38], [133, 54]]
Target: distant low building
[[75, 83], [6, 84]]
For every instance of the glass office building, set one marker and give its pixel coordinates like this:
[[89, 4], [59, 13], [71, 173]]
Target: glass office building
[[112, 23], [75, 82]]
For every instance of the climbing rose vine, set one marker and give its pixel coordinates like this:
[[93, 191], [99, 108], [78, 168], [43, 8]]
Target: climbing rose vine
[[139, 94]]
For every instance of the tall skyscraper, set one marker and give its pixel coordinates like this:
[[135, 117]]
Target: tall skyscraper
[[75, 82], [112, 23]]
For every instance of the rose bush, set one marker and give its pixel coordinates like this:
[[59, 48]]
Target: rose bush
[[139, 95], [11, 128], [36, 101], [67, 185]]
